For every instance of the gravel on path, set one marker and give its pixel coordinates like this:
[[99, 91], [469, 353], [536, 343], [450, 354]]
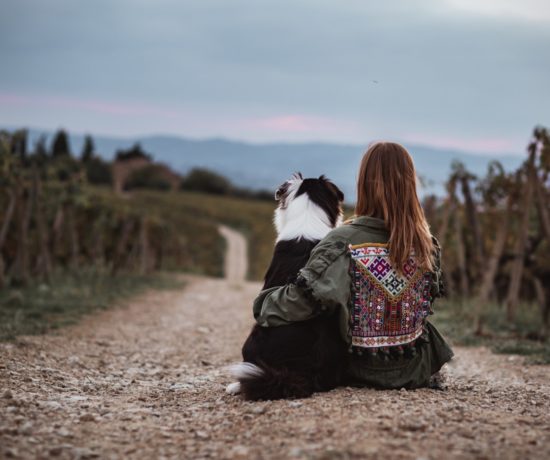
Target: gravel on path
[[147, 380]]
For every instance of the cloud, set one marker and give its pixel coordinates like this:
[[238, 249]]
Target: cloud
[[530, 10], [302, 124], [280, 71]]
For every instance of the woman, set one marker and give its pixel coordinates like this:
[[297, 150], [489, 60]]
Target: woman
[[381, 272]]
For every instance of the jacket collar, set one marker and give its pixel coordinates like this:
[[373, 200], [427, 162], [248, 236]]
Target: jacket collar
[[371, 222]]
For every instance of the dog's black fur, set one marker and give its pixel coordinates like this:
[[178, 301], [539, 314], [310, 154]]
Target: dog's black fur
[[288, 257], [299, 359]]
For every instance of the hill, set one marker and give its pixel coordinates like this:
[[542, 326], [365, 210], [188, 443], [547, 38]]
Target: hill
[[261, 166]]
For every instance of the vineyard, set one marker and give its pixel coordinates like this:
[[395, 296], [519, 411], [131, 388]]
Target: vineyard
[[61, 217], [69, 244], [495, 231]]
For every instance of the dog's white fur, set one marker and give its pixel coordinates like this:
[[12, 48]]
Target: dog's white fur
[[301, 218]]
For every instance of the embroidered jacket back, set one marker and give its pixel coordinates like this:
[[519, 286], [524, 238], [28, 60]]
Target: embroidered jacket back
[[388, 308]]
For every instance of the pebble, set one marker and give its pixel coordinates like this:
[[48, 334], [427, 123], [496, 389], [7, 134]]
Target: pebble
[[7, 394], [84, 453], [74, 361], [26, 428], [240, 451], [259, 410], [54, 405], [202, 435], [87, 418], [414, 426], [11, 453], [55, 451], [64, 433]]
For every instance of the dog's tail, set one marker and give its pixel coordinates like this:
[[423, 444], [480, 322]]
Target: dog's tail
[[267, 383]]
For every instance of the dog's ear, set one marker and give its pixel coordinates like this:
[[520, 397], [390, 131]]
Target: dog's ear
[[337, 191], [281, 190], [333, 188]]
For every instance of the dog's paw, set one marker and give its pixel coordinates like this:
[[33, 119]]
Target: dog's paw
[[233, 388]]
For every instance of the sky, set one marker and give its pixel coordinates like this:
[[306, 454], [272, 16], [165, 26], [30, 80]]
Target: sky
[[470, 75]]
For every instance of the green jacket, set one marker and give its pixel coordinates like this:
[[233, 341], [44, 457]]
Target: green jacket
[[324, 283], [324, 286]]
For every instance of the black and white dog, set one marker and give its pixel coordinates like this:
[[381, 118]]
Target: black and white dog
[[295, 360]]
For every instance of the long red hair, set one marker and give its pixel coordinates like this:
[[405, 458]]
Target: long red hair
[[386, 188]]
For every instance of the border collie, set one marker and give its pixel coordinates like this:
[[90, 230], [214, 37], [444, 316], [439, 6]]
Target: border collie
[[296, 360]]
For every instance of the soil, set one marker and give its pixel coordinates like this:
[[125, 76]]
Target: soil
[[147, 380]]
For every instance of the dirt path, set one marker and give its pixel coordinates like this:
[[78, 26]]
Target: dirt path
[[236, 258], [145, 381]]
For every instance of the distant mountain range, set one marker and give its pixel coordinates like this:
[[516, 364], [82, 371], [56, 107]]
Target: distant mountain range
[[264, 166]]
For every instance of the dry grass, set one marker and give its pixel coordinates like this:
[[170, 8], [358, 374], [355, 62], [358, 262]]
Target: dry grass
[[455, 319]]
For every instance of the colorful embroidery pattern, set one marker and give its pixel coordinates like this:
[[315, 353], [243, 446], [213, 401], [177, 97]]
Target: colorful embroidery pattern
[[388, 307]]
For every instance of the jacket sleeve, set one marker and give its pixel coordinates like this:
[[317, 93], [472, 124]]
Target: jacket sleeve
[[321, 286]]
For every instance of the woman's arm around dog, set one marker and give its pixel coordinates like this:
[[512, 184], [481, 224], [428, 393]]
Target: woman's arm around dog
[[322, 286]]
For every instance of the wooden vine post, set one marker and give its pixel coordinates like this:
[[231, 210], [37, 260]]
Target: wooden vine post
[[448, 209], [518, 263]]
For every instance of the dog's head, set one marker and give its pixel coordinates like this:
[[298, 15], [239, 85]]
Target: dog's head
[[307, 208]]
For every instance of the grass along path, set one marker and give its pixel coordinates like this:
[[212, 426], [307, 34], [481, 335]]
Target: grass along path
[[146, 380], [68, 296]]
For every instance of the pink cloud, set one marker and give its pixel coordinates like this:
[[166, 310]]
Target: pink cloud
[[478, 145], [291, 123], [300, 124]]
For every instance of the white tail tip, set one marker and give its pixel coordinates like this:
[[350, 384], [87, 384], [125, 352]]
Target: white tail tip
[[243, 371], [233, 388]]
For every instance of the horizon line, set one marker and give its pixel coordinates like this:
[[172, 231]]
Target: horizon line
[[138, 137]]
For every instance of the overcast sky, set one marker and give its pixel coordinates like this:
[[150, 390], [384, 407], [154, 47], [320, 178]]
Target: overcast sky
[[465, 74]]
